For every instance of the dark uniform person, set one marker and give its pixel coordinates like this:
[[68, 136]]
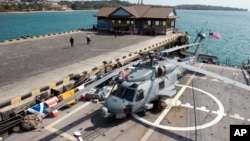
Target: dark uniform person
[[71, 40]]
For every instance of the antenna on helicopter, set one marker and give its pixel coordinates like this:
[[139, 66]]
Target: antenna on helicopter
[[202, 36], [200, 32], [151, 57]]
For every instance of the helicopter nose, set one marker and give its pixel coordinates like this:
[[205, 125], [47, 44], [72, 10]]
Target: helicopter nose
[[114, 105]]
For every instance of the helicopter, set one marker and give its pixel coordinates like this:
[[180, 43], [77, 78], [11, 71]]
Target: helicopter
[[148, 85], [150, 81]]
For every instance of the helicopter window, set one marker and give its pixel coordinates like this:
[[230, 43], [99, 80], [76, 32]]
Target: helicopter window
[[161, 85], [134, 85], [129, 94], [140, 95], [124, 93]]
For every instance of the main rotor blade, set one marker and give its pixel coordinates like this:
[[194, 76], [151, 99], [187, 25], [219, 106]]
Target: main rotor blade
[[103, 50], [178, 47], [79, 93], [225, 79]]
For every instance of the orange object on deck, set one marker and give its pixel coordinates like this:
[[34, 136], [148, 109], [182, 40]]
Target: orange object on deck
[[66, 95], [52, 101], [55, 113]]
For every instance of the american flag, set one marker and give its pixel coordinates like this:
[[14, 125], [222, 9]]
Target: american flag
[[214, 35]]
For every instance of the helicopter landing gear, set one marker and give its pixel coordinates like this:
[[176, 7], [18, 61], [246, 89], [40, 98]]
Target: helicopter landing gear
[[159, 105]]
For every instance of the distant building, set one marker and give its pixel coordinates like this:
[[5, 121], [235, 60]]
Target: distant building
[[139, 19], [56, 7]]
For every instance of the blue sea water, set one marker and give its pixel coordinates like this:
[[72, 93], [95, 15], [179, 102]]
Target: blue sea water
[[16, 25], [233, 26]]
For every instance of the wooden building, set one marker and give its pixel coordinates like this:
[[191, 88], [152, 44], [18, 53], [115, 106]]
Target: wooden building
[[138, 19]]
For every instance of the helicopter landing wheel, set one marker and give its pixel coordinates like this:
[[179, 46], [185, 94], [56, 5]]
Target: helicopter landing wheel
[[159, 105]]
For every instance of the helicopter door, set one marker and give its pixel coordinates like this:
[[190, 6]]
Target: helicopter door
[[139, 100]]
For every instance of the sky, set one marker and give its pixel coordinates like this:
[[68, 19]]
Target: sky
[[226, 3]]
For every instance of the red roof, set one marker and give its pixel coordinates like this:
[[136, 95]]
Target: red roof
[[142, 11]]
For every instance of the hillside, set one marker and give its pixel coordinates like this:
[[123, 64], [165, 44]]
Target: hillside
[[80, 5], [208, 7]]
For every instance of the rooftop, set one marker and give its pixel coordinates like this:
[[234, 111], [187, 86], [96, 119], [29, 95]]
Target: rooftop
[[142, 11]]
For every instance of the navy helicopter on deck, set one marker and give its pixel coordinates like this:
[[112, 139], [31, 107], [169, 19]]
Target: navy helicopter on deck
[[150, 81], [148, 84]]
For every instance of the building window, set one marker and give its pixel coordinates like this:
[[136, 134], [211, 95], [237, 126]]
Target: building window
[[164, 23], [149, 22], [172, 23], [157, 23]]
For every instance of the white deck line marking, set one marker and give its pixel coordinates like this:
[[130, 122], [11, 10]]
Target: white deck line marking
[[56, 131], [218, 112], [160, 118], [237, 116], [150, 131], [187, 105], [203, 126], [202, 109], [197, 108]]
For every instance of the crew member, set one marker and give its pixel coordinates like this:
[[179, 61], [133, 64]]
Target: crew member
[[77, 135], [71, 40], [88, 38]]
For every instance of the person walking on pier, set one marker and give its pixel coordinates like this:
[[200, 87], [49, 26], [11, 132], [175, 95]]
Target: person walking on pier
[[88, 38], [77, 135], [71, 40]]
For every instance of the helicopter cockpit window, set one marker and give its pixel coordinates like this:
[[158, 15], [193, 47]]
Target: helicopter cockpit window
[[124, 93], [161, 85], [139, 95]]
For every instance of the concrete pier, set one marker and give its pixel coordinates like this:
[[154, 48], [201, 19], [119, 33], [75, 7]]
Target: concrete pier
[[30, 64]]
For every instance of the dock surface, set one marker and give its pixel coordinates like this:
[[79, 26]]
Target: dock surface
[[33, 63]]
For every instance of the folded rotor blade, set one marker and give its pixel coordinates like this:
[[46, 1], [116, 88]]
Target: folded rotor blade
[[86, 89], [178, 47], [214, 75]]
